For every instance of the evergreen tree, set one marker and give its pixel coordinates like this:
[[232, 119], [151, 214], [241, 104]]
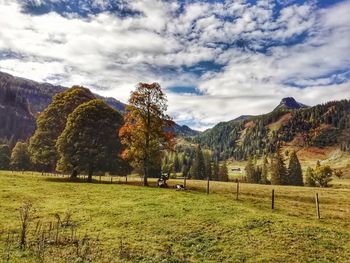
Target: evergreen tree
[[251, 172], [223, 172], [5, 157], [176, 167], [198, 170], [209, 170], [216, 169], [20, 159], [90, 141], [295, 174], [264, 172], [278, 170]]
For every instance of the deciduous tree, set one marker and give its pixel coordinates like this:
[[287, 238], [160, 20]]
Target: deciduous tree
[[309, 177], [323, 175], [147, 129], [90, 142], [50, 124], [20, 159]]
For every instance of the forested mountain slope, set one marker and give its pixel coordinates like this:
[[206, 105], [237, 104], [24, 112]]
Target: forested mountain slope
[[21, 100], [322, 125]]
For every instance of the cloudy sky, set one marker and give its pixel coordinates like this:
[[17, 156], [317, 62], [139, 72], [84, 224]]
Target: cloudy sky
[[216, 60]]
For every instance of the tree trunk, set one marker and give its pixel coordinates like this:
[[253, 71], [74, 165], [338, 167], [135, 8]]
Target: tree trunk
[[90, 175], [147, 161], [145, 174], [74, 174]]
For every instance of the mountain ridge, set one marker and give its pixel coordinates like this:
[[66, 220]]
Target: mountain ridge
[[295, 124], [37, 96]]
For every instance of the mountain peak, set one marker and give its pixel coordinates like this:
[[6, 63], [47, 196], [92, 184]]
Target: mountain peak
[[290, 103]]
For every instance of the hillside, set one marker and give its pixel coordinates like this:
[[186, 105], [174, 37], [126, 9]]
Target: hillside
[[19, 118], [16, 119], [291, 123]]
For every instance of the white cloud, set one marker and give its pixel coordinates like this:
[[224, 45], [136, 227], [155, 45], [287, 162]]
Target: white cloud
[[113, 53]]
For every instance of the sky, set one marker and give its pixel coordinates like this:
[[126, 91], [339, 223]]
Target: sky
[[216, 60]]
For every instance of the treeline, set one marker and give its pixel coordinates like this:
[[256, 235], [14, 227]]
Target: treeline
[[321, 125], [18, 159], [78, 133], [276, 172], [195, 163]]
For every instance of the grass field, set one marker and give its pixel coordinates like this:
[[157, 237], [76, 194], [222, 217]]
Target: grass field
[[128, 223]]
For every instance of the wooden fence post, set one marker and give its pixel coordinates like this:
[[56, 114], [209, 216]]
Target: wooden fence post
[[126, 178], [100, 178], [273, 199], [208, 185], [317, 203], [185, 182], [237, 190], [111, 179]]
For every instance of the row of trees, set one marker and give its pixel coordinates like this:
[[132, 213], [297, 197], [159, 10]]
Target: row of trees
[[17, 159], [277, 173], [78, 133], [193, 162]]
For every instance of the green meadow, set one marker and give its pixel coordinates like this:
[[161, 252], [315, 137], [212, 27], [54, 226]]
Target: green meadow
[[126, 222]]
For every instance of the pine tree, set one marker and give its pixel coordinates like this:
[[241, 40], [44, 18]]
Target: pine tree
[[216, 169], [223, 172], [209, 170], [198, 165], [295, 174], [278, 170], [264, 172], [176, 166]]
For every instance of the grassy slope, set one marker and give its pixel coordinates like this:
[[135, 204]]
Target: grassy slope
[[164, 225]]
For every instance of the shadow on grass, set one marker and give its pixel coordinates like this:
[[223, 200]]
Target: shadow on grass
[[60, 179]]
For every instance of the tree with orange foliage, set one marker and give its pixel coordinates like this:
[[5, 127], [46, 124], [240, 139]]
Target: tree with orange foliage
[[146, 133]]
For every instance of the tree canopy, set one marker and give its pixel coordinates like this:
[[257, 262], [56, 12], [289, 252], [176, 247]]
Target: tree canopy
[[90, 141], [20, 159], [147, 129], [50, 124]]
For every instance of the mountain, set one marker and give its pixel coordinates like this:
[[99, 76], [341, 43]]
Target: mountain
[[290, 124], [26, 98], [243, 117], [290, 103], [184, 131]]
